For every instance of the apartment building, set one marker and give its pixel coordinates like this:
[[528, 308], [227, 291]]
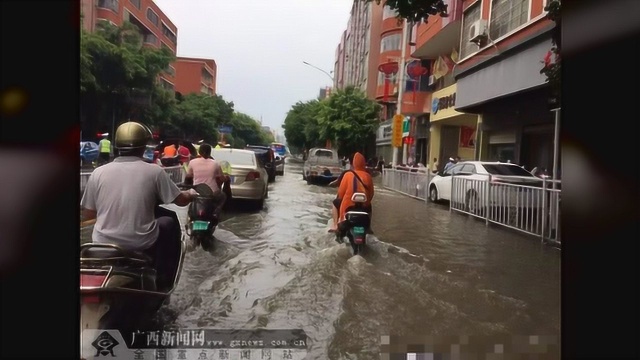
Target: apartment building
[[354, 64], [195, 75], [490, 100], [156, 28]]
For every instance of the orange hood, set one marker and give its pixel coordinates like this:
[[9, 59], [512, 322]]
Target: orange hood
[[359, 163]]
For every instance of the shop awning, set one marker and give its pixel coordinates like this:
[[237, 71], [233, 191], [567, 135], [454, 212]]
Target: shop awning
[[514, 74]]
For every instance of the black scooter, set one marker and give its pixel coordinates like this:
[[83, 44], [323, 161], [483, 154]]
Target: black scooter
[[356, 226], [118, 288], [203, 218]]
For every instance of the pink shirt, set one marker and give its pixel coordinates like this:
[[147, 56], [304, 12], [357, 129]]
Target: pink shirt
[[204, 171]]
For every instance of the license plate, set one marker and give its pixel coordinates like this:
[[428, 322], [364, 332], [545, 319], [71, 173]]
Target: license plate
[[358, 230], [200, 225]]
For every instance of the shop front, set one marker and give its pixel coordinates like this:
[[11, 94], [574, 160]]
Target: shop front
[[383, 141], [515, 120], [452, 133]]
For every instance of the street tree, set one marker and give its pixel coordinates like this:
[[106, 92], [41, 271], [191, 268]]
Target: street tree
[[551, 68], [416, 10], [248, 130], [198, 116], [300, 125], [118, 74], [349, 119]]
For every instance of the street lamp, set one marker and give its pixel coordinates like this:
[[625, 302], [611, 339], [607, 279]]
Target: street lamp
[[317, 68]]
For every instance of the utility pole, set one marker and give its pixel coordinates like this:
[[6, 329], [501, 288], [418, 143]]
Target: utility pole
[[403, 55]]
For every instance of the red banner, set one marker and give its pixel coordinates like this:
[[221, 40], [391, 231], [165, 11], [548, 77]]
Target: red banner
[[467, 137]]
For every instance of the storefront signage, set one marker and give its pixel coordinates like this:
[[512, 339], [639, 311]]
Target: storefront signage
[[406, 126], [443, 104], [396, 140]]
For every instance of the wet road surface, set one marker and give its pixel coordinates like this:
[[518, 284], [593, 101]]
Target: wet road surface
[[426, 272]]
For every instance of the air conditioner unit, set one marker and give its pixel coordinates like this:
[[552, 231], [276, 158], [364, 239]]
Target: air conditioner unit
[[432, 80], [477, 31]]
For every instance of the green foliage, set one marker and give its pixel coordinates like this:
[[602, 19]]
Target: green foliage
[[249, 131], [416, 10], [198, 116], [348, 119], [300, 125]]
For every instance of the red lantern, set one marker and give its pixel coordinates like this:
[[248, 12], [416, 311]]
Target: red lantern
[[388, 68], [415, 70]]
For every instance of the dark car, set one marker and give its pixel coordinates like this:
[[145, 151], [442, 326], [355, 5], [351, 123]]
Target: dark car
[[267, 157]]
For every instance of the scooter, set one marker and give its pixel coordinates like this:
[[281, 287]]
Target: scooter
[[118, 288], [356, 226], [202, 216]]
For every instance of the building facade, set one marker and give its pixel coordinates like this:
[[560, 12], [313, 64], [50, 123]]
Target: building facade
[[195, 75], [156, 28], [507, 51]]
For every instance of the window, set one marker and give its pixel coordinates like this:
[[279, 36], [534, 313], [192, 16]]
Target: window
[[170, 70], [470, 16], [135, 3], [388, 13], [324, 153], [507, 170], [166, 85], [453, 170], [468, 168], [390, 43], [235, 157], [506, 15], [153, 17], [109, 4], [169, 34], [150, 38]]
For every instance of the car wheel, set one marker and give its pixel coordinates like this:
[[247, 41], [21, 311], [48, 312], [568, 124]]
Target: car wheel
[[433, 194]]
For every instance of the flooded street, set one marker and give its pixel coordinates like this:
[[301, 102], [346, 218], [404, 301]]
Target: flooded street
[[427, 272]]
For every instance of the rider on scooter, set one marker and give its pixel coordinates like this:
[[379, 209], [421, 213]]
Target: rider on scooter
[[206, 170], [122, 197], [356, 180]]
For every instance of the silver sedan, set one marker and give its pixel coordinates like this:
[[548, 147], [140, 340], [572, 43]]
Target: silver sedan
[[249, 179]]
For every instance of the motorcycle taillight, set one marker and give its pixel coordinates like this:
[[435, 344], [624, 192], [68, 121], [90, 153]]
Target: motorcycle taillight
[[92, 280]]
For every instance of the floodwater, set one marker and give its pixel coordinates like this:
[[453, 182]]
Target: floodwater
[[426, 272]]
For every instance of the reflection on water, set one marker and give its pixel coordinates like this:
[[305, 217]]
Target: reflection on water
[[426, 271]]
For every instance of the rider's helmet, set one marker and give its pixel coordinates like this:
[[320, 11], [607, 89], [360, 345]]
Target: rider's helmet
[[132, 135]]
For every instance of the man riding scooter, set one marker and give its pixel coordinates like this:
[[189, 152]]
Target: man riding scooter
[[122, 196]]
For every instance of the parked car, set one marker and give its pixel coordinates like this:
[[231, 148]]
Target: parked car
[[249, 179], [89, 152], [321, 165], [267, 157], [475, 192]]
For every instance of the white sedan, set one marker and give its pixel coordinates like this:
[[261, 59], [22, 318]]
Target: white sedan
[[507, 181]]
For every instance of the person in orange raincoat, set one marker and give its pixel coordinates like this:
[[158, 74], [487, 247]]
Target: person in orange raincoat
[[357, 179]]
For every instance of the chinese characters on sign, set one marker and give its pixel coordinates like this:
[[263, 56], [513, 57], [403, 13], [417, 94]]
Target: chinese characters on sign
[[396, 140]]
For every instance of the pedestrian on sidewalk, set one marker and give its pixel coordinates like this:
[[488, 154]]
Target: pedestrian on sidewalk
[[434, 167]]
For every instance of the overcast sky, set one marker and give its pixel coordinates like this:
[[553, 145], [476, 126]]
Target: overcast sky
[[259, 47]]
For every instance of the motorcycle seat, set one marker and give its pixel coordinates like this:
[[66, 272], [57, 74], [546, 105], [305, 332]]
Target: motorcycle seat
[[102, 253]]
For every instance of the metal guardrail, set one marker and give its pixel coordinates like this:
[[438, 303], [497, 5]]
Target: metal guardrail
[[413, 184], [176, 173], [534, 210]]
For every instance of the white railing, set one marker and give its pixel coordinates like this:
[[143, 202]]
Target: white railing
[[176, 173], [533, 209], [406, 182]]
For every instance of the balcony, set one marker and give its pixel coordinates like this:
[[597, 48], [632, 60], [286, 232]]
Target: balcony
[[440, 35]]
